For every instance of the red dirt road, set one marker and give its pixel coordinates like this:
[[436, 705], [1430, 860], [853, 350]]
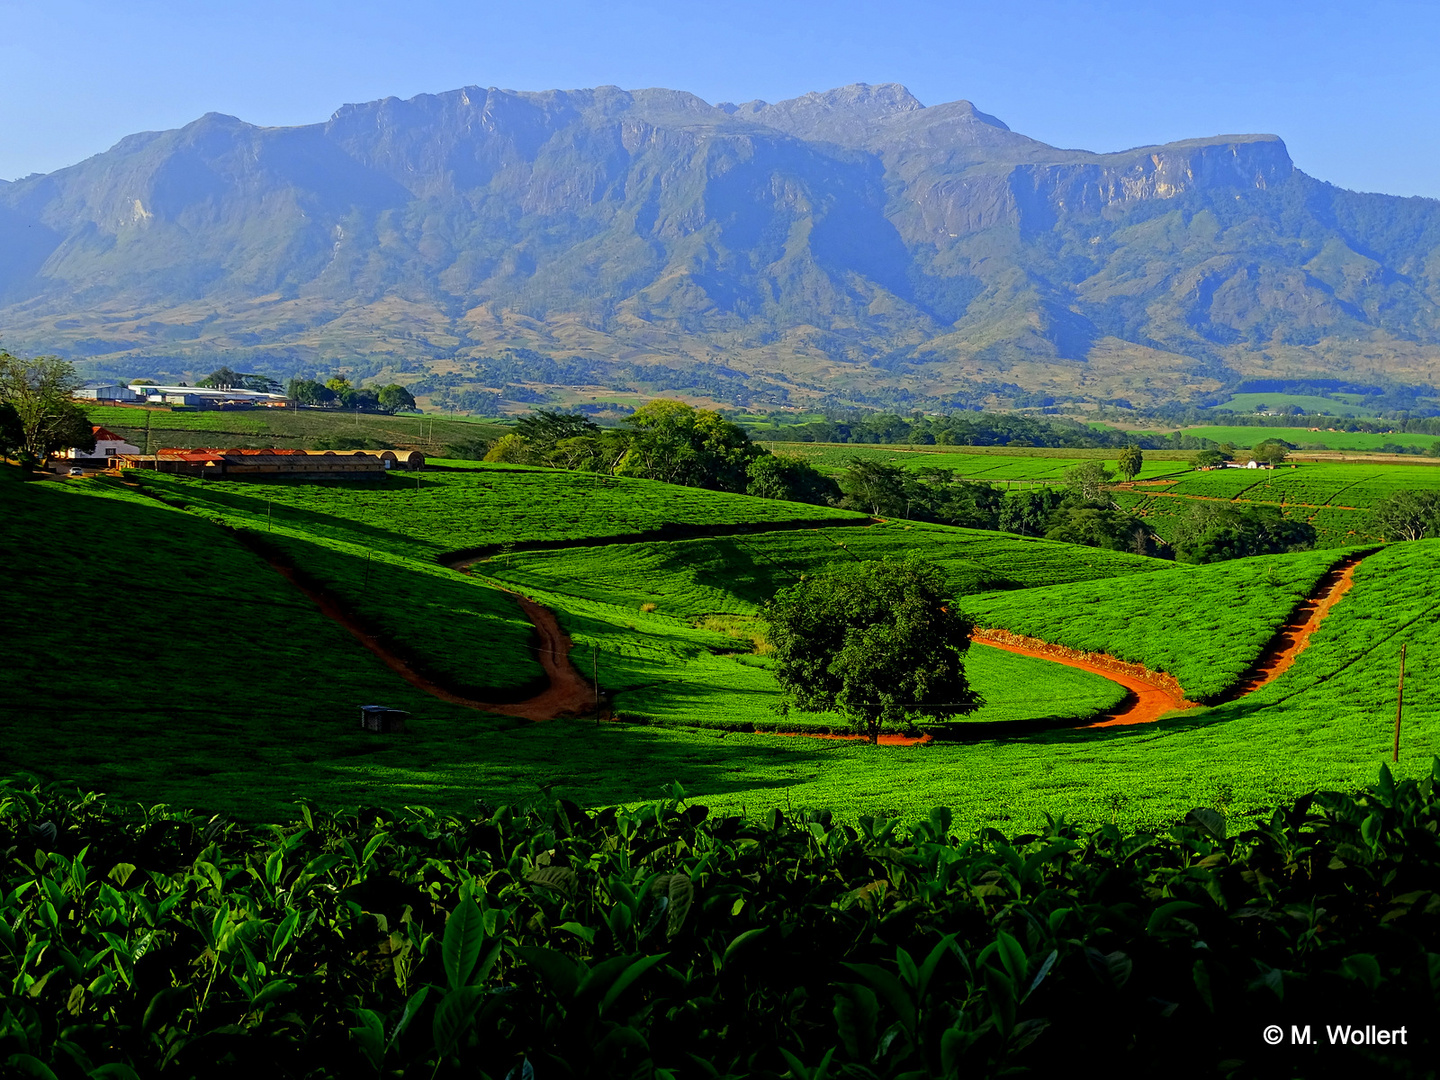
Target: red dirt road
[[1153, 694], [1146, 701], [1290, 642], [568, 694]]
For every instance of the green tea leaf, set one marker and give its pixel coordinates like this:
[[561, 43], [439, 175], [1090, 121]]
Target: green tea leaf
[[464, 937], [453, 1016]]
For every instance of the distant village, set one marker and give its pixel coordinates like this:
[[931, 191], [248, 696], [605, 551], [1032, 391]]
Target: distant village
[[113, 452]]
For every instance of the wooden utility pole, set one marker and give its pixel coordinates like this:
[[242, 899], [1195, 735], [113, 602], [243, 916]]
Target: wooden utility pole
[[1399, 705], [595, 675], [267, 515], [367, 570]]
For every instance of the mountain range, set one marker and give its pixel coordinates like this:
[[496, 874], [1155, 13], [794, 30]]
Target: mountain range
[[852, 245]]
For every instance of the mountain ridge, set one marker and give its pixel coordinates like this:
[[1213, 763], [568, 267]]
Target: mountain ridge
[[846, 243]]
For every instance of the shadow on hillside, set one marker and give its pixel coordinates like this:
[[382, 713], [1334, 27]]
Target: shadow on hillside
[[222, 495]]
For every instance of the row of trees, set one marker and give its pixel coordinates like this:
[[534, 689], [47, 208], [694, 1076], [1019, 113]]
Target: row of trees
[[669, 441], [338, 393], [679, 444], [970, 429], [38, 416], [1266, 452], [225, 378], [1080, 513]]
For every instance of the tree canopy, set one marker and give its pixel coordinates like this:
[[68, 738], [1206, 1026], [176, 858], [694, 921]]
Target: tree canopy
[[1213, 532], [876, 641], [1409, 515], [680, 444], [224, 378], [40, 416], [1131, 460]]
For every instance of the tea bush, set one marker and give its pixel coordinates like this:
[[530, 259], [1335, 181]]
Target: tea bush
[[546, 940]]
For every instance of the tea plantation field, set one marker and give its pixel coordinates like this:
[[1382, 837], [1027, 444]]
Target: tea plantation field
[[180, 668], [989, 463], [376, 546], [1204, 625], [732, 574], [1354, 485], [1304, 438], [285, 427], [1337, 498]]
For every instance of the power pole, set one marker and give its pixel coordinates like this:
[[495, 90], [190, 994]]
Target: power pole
[[367, 571], [1399, 705], [267, 515], [595, 675]]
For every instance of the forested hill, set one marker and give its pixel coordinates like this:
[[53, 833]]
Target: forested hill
[[847, 243]]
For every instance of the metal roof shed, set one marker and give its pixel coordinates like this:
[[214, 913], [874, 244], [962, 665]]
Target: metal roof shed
[[382, 719]]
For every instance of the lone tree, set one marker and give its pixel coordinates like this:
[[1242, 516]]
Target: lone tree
[[1130, 461], [1088, 480], [876, 641], [40, 417]]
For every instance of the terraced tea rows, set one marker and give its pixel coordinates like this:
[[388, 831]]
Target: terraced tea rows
[[219, 710], [1357, 485]]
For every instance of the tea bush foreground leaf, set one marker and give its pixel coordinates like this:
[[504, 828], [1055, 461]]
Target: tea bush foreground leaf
[[660, 941]]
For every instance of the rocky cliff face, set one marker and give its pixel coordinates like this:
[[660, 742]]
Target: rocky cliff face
[[854, 227]]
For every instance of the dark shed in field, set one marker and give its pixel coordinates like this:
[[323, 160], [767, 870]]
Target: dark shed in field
[[381, 718]]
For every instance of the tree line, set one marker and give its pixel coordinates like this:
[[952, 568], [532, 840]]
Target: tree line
[[338, 393], [679, 444], [969, 429]]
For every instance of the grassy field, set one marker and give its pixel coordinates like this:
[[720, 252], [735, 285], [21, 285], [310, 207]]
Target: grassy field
[[285, 427], [178, 667]]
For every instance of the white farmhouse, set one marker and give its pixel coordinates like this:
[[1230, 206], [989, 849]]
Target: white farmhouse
[[107, 445]]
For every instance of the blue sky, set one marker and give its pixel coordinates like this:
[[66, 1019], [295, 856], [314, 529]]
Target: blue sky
[[1352, 88]]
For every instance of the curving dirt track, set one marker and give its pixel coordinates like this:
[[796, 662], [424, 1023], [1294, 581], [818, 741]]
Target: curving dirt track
[[1153, 694], [568, 694], [1145, 703], [1150, 694]]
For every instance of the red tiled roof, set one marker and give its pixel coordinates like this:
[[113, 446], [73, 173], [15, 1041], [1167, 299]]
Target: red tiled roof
[[103, 433]]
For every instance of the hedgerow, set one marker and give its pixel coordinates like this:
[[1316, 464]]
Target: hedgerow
[[548, 940]]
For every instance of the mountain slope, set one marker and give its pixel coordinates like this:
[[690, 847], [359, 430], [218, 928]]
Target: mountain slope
[[852, 243]]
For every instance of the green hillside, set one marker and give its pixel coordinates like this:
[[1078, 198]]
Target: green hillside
[[222, 704]]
